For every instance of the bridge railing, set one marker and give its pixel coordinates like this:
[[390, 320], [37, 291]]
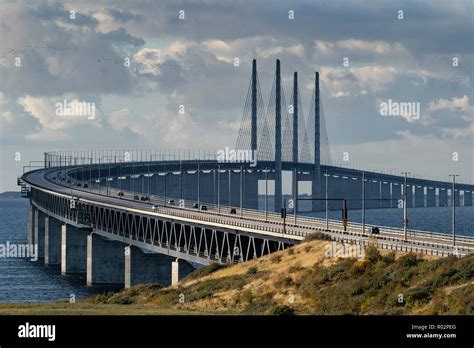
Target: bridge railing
[[275, 218]]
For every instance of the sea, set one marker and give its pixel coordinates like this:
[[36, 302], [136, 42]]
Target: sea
[[22, 280]]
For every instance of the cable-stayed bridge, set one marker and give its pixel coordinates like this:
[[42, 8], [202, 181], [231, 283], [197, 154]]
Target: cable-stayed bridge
[[171, 208]]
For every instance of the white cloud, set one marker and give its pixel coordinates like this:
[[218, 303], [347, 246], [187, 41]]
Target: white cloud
[[345, 81], [51, 125], [353, 45], [148, 59]]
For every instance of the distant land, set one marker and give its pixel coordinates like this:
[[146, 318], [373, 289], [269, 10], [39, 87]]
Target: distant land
[[10, 194]]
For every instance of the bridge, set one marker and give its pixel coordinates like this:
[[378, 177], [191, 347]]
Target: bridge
[[130, 217]]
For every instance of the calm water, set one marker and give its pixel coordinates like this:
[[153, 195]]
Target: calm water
[[24, 281]]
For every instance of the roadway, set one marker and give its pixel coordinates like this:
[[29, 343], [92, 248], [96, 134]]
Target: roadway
[[247, 220]]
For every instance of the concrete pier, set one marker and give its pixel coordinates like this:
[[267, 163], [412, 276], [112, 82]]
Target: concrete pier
[[372, 194], [179, 270], [430, 197], [105, 261], [39, 231], [73, 249], [468, 198], [143, 267], [409, 197], [419, 196], [52, 241], [385, 191], [30, 232], [457, 198], [396, 194], [443, 197]]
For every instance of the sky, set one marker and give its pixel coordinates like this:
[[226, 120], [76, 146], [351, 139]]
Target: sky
[[367, 52]]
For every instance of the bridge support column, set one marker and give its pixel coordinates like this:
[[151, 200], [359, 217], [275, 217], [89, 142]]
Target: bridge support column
[[443, 197], [105, 261], [419, 196], [144, 268], [30, 232], [467, 198], [430, 197], [251, 190], [39, 232], [52, 241], [372, 194], [73, 249], [179, 270], [457, 198], [385, 194], [396, 194], [409, 196]]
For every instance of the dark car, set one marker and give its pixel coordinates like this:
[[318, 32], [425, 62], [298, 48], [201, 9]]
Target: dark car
[[85, 186], [170, 201], [79, 184], [143, 198], [375, 230], [120, 194], [196, 206], [233, 211], [136, 197], [203, 207]]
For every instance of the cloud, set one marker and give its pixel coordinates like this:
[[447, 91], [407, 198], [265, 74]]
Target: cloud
[[343, 81], [191, 63]]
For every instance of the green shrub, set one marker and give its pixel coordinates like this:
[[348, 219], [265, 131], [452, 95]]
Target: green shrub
[[276, 258], [204, 271], [252, 270], [283, 310], [372, 254], [409, 260]]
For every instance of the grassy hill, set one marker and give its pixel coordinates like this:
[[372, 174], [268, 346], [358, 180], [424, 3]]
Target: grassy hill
[[301, 280]]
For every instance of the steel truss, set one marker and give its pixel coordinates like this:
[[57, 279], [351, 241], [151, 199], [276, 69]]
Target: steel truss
[[174, 237]]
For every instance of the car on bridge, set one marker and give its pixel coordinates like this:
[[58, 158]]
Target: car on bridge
[[85, 186], [204, 207], [136, 197], [171, 201], [233, 211], [375, 230], [120, 194], [195, 206]]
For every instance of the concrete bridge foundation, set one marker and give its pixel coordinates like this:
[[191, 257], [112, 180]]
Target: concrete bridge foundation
[[52, 241], [105, 261], [467, 198], [30, 232], [144, 268], [39, 217], [179, 270], [430, 197], [419, 196], [73, 249], [443, 197]]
